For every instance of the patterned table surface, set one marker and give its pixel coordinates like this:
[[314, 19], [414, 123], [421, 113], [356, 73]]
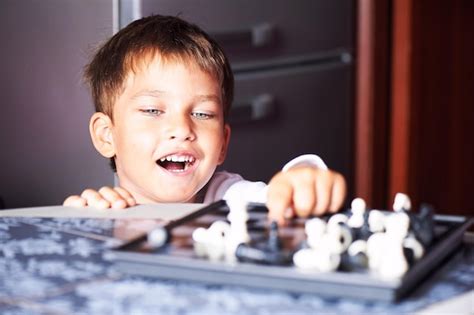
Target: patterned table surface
[[56, 266]]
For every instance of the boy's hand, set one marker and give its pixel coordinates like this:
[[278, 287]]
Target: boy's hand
[[304, 191], [106, 197]]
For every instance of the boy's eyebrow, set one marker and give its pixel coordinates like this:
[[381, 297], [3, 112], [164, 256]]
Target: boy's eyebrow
[[154, 93], [199, 98], [208, 97]]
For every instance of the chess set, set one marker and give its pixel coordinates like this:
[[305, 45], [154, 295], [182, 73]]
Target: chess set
[[361, 253]]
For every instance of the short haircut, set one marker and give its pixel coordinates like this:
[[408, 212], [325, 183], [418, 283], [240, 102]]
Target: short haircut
[[173, 39]]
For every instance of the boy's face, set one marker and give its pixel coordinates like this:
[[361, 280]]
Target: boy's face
[[168, 133]]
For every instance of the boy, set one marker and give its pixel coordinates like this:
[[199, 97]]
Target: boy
[[162, 90]]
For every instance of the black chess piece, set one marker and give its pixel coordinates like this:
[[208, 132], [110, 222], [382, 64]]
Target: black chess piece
[[274, 241], [267, 251], [363, 232], [422, 225], [357, 262]]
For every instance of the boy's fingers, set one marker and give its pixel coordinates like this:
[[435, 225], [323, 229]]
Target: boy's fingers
[[113, 197], [75, 201], [304, 197], [94, 199], [323, 185], [279, 199], [338, 193], [126, 196]]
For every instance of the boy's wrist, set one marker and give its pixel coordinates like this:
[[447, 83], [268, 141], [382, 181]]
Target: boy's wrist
[[311, 160]]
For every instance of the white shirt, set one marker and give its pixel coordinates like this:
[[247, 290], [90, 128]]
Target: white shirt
[[224, 185]]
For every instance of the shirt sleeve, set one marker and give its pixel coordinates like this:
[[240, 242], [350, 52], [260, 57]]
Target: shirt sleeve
[[224, 185]]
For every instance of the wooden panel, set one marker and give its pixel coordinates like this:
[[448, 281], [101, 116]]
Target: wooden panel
[[432, 150], [371, 121]]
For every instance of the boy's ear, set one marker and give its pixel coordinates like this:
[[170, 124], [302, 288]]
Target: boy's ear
[[225, 144], [100, 128]]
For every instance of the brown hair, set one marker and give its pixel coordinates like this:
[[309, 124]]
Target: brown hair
[[170, 37]]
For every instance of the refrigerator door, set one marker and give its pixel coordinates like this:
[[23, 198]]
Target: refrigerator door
[[267, 30], [293, 67]]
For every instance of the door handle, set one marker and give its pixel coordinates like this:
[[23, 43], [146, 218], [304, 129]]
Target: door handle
[[259, 35], [259, 108]]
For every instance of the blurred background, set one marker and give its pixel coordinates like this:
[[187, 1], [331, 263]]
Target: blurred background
[[382, 90]]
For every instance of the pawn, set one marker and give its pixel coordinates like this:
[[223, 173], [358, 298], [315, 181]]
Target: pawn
[[401, 203], [315, 228], [423, 225], [238, 233], [358, 208]]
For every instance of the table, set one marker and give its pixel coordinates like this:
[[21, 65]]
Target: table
[[56, 266]]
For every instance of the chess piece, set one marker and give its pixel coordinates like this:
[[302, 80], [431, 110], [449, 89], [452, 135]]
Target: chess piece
[[358, 208], [393, 263], [320, 259], [414, 247], [326, 241], [274, 241], [199, 237], [422, 225], [337, 238], [338, 218], [401, 202], [355, 258], [376, 250], [267, 251], [376, 221], [238, 234], [158, 237], [238, 217], [314, 229], [256, 253], [211, 243]]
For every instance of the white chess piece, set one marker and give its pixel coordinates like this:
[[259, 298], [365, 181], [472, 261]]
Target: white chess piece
[[238, 217], [337, 238], [413, 244], [338, 218], [376, 250], [358, 208], [199, 240], [401, 202], [359, 246], [393, 264], [325, 246], [320, 259], [376, 221], [315, 229], [211, 242]]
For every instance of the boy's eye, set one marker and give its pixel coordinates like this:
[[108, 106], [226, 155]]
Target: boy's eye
[[201, 115], [151, 111]]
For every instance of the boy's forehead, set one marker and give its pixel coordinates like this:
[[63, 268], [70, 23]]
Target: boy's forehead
[[140, 63], [144, 74]]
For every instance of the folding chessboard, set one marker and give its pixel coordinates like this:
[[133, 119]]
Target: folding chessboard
[[178, 260]]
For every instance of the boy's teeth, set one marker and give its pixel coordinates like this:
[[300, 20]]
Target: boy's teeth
[[177, 158]]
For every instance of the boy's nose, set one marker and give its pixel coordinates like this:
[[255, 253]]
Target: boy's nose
[[180, 128]]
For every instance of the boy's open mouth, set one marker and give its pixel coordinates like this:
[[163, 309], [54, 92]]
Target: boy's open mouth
[[176, 163]]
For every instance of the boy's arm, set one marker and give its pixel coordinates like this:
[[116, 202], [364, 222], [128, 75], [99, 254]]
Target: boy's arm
[[305, 187]]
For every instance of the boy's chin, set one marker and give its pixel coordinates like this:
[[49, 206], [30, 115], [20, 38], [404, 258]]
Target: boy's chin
[[178, 198]]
